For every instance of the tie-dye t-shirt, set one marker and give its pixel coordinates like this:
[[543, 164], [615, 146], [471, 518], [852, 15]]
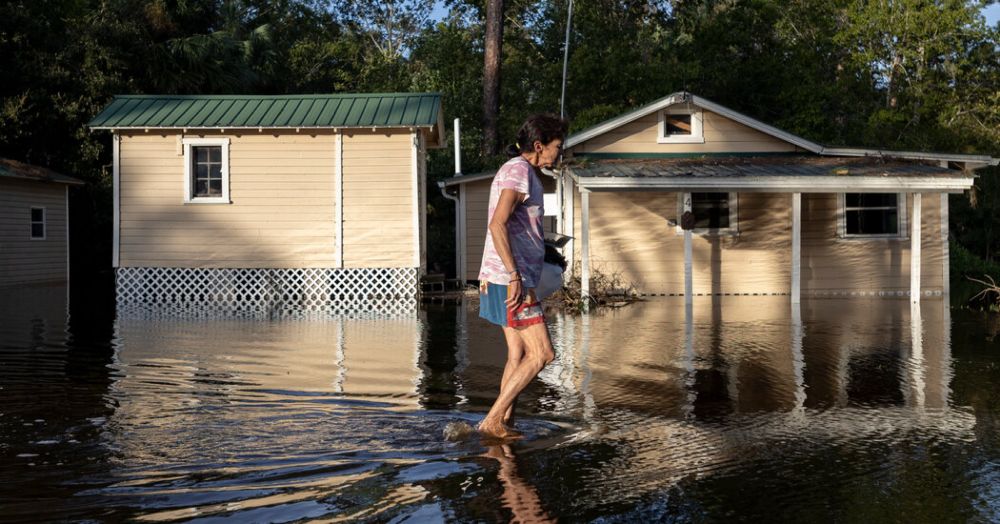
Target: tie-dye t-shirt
[[524, 228]]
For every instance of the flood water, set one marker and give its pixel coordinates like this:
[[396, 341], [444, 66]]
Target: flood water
[[739, 408]]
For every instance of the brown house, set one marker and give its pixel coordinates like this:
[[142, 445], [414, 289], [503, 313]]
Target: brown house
[[774, 213], [34, 224]]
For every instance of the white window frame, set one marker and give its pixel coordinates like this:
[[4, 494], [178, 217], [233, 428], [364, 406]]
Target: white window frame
[[697, 135], [188, 172], [734, 213], [902, 229], [44, 222]]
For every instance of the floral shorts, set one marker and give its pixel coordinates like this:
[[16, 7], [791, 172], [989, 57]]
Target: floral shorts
[[493, 307]]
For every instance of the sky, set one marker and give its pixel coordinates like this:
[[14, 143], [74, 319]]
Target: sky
[[992, 12]]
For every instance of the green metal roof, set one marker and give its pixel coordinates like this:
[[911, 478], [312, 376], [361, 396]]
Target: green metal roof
[[275, 111]]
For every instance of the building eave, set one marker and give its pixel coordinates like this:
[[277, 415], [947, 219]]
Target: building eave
[[780, 184], [463, 179]]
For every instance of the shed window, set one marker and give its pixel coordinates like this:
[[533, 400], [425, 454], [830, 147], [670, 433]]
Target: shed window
[[206, 170], [38, 223], [681, 125], [872, 214]]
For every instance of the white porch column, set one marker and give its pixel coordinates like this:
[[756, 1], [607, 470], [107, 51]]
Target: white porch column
[[569, 225], [915, 250], [688, 278], [585, 247], [796, 246], [945, 248]]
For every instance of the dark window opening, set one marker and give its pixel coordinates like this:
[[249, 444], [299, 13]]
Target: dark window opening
[[207, 171], [677, 124], [37, 222], [871, 213], [711, 210]]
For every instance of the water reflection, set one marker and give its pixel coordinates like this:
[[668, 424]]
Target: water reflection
[[520, 497], [843, 409]]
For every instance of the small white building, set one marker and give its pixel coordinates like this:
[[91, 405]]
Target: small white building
[[34, 224]]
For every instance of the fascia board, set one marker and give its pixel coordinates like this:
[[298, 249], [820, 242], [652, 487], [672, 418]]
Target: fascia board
[[912, 155], [834, 184], [812, 147]]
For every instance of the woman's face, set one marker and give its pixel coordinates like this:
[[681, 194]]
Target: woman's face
[[546, 154]]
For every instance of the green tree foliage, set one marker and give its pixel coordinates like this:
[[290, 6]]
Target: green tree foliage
[[896, 74]]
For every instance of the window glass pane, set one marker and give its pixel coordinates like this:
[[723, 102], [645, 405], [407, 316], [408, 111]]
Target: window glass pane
[[201, 171], [201, 188], [872, 222], [200, 154], [677, 124], [215, 172], [873, 199], [215, 154], [870, 215], [215, 187], [711, 210], [37, 231], [37, 215]]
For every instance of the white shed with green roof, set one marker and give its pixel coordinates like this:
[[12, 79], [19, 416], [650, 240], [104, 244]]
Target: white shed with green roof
[[262, 202]]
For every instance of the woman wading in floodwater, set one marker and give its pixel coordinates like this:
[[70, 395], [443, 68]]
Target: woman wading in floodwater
[[512, 264]]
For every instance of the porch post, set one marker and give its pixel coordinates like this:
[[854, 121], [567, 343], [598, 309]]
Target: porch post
[[688, 279], [915, 250], [585, 247], [569, 224], [796, 246], [945, 248]]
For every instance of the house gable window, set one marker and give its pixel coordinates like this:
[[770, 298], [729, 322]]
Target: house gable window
[[206, 170], [872, 215], [714, 213], [37, 223], [680, 126]]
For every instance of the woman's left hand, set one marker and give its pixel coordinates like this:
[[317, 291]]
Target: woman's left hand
[[515, 294]]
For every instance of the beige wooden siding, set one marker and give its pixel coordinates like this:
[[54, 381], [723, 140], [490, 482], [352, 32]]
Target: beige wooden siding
[[282, 211], [23, 260], [630, 237], [378, 200], [830, 263], [722, 135], [477, 202]]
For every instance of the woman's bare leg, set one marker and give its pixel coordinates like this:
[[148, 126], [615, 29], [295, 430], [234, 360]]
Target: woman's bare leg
[[537, 353], [515, 353]]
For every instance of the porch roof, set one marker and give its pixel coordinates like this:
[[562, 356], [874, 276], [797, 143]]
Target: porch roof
[[799, 174]]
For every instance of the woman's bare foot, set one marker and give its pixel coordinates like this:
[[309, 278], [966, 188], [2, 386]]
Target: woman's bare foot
[[497, 430]]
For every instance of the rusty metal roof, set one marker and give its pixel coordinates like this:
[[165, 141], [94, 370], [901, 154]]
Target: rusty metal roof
[[270, 111], [14, 169], [804, 166]]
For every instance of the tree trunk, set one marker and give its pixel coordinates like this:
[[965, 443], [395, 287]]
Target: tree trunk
[[491, 77]]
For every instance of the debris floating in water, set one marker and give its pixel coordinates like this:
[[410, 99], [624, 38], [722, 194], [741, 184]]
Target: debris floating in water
[[456, 431]]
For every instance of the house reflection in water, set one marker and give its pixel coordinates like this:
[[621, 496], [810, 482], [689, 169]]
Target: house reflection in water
[[353, 357], [735, 355]]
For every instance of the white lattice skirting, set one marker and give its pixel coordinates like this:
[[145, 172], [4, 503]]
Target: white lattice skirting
[[270, 292]]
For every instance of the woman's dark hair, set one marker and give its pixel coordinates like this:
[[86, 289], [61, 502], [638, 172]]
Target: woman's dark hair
[[541, 127]]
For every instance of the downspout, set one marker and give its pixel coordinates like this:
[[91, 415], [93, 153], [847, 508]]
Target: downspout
[[459, 270]]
